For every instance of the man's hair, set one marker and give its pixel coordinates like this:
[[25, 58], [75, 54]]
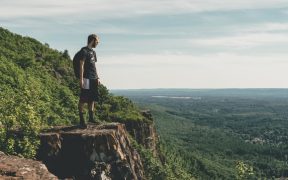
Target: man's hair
[[92, 37]]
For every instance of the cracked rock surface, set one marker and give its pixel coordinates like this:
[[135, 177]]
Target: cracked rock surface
[[97, 152], [16, 168]]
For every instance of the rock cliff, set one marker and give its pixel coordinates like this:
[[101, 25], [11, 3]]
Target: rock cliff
[[98, 152], [16, 168], [144, 132]]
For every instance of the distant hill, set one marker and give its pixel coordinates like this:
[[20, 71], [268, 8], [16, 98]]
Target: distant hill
[[239, 92]]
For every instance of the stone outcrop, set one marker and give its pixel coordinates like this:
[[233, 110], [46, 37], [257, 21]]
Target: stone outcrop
[[16, 168], [144, 132], [98, 152]]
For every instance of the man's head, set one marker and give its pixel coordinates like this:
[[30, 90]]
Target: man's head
[[93, 40]]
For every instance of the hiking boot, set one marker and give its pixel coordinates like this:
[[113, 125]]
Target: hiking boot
[[91, 118], [83, 124]]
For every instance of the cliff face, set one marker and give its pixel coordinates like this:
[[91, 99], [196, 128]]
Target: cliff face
[[13, 167], [144, 132], [98, 152]]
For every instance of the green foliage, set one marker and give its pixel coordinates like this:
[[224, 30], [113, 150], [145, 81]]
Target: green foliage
[[18, 113], [175, 166], [117, 108], [155, 169], [31, 95], [244, 171]]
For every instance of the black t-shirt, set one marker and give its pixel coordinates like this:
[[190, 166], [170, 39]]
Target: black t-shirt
[[90, 59]]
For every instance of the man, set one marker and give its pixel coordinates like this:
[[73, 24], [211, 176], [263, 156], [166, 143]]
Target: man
[[89, 80]]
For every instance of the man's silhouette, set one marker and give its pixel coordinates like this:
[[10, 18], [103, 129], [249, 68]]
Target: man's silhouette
[[89, 80]]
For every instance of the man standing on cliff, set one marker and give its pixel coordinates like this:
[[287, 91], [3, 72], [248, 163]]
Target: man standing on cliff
[[89, 80]]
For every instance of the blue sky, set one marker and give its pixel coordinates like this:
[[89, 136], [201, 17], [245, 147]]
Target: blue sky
[[166, 43]]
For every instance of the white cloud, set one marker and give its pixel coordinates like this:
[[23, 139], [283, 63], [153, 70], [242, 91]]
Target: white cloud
[[189, 60], [265, 27], [218, 70], [243, 40], [186, 71], [123, 8]]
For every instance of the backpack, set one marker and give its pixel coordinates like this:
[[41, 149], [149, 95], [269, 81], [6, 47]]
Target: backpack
[[76, 62]]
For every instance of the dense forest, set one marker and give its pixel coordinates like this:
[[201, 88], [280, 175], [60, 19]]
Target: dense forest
[[224, 133], [38, 90]]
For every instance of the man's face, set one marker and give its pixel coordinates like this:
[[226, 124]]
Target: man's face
[[95, 42]]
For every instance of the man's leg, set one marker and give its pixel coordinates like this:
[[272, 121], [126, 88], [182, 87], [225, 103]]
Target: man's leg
[[81, 116], [91, 106], [91, 112]]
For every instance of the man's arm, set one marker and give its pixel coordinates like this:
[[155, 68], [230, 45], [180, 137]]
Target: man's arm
[[97, 77], [81, 72]]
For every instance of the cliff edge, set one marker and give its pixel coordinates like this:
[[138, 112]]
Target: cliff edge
[[98, 152]]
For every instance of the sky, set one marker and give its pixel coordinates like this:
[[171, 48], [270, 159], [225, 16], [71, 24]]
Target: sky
[[165, 43]]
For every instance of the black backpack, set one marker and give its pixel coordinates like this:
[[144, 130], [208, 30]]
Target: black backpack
[[76, 62]]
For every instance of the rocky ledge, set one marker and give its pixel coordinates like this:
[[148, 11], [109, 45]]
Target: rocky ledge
[[98, 152], [16, 168]]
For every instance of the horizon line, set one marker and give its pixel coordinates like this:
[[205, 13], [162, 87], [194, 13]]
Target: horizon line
[[274, 88]]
